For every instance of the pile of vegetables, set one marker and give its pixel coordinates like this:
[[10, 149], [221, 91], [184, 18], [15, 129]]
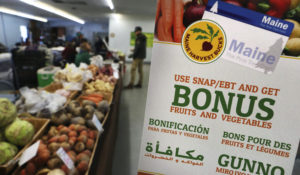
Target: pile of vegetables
[[80, 113], [72, 127], [78, 142], [73, 77], [98, 86], [14, 134]]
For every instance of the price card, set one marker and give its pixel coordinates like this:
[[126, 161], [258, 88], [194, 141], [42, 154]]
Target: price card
[[29, 153], [97, 124], [65, 158]]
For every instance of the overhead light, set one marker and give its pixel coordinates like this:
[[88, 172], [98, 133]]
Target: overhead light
[[24, 15], [110, 4], [54, 10]]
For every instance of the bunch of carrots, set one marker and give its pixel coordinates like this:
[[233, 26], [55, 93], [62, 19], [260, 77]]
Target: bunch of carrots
[[96, 98], [169, 20]]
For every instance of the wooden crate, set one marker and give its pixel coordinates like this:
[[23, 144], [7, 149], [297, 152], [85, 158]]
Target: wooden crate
[[40, 126], [93, 153]]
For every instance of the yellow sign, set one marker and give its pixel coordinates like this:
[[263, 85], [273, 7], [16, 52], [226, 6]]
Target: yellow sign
[[204, 41]]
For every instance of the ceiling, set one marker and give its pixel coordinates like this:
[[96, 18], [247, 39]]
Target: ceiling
[[89, 10]]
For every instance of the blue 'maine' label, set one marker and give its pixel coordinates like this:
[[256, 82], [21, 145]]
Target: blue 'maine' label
[[250, 17]]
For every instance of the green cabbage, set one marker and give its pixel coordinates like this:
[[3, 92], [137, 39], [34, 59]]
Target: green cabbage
[[20, 132], [7, 152], [8, 112]]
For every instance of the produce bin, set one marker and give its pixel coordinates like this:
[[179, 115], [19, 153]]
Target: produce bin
[[40, 126], [45, 75], [106, 96], [18, 170]]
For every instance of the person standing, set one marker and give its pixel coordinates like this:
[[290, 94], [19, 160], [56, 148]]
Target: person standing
[[69, 52], [139, 54], [84, 55]]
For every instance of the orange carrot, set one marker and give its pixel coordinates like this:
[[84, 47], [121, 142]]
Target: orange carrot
[[167, 9], [95, 95], [93, 100], [160, 30], [183, 29], [157, 11], [178, 20]]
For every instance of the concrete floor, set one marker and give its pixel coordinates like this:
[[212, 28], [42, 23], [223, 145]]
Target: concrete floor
[[131, 119]]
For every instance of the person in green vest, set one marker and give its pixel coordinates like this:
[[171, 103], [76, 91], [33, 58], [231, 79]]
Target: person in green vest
[[84, 55]]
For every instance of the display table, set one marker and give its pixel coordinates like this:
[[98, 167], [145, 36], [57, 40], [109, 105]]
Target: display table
[[103, 160]]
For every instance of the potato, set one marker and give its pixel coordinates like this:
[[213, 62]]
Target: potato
[[78, 120], [72, 134], [53, 139], [90, 144], [84, 132], [296, 30], [92, 135], [44, 171], [65, 169], [30, 168], [90, 124], [64, 130], [87, 102], [82, 157], [23, 172], [54, 163], [56, 172], [99, 115], [53, 147], [63, 138], [87, 152], [44, 156], [293, 46], [52, 132], [66, 146], [82, 138], [103, 106], [79, 147], [82, 166]]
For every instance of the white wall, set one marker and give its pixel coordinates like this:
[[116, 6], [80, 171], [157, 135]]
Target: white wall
[[10, 29], [122, 25]]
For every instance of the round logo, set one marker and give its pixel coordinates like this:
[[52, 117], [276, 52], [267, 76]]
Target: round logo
[[204, 41]]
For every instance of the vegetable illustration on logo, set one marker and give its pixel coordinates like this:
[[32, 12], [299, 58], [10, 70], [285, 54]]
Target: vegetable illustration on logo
[[206, 45], [204, 41]]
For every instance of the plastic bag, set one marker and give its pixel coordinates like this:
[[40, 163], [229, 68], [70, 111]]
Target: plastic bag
[[33, 101], [97, 60]]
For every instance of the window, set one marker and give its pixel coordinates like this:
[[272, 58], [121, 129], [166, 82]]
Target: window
[[24, 33]]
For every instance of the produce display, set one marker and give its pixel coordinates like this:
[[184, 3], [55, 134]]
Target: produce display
[[78, 142], [173, 16], [72, 120], [80, 113], [73, 77], [98, 86], [14, 134]]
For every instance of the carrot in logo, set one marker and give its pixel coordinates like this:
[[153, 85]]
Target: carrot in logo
[[204, 41]]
